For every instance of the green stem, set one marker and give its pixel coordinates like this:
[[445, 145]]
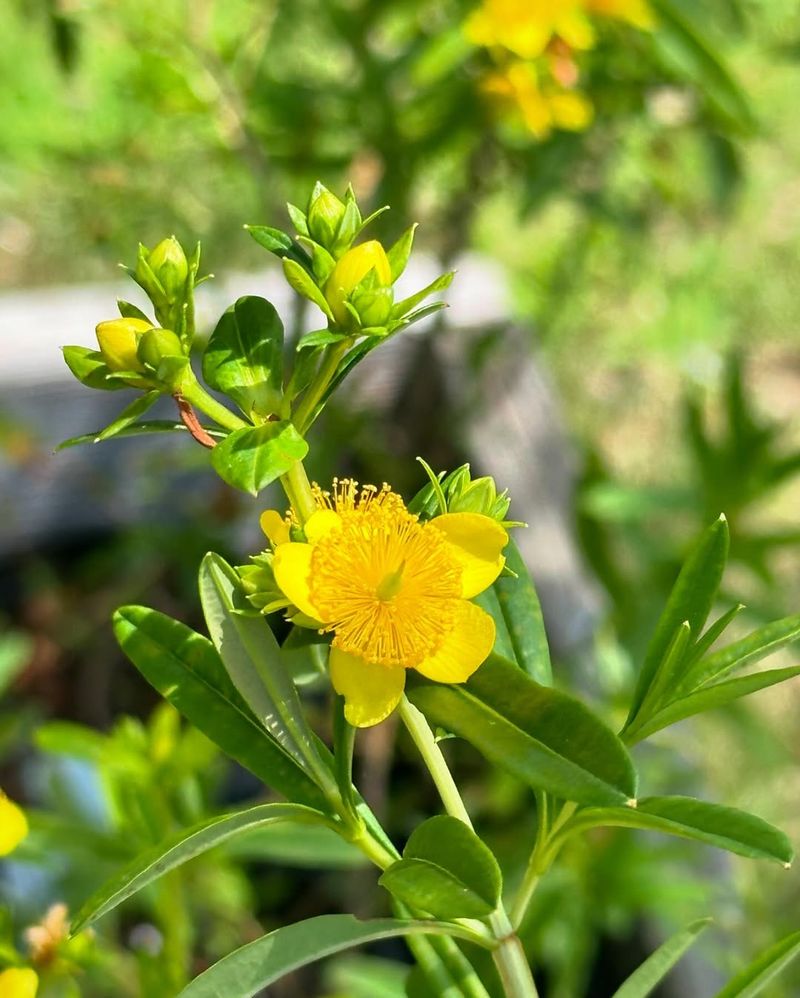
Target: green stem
[[540, 860], [194, 393], [509, 956], [304, 414], [298, 491]]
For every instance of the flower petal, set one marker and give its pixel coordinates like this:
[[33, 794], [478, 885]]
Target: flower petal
[[463, 649], [274, 526], [19, 982], [292, 569], [371, 692], [13, 825], [475, 541], [321, 523]]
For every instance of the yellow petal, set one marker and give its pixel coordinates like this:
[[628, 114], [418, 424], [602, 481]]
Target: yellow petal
[[274, 526], [321, 523], [292, 569], [19, 982], [371, 692], [475, 541], [463, 649], [13, 826]]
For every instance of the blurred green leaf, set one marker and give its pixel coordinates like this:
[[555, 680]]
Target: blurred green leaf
[[187, 671], [656, 967], [446, 871], [15, 650], [713, 824], [754, 978], [252, 457], [545, 737], [180, 848], [313, 847], [244, 356]]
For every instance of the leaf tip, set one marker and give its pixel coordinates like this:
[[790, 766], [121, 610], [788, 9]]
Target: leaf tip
[[632, 803], [787, 866]]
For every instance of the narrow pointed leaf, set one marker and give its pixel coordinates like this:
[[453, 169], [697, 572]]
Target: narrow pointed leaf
[[713, 824], [304, 284], [252, 656], [545, 737], [754, 978], [407, 304], [748, 651], [129, 415], [708, 639], [90, 369], [691, 600], [187, 671], [712, 696], [248, 970], [280, 243], [140, 429], [180, 848], [656, 967]]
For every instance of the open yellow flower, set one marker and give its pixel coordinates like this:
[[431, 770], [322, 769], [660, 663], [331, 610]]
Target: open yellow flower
[[394, 592], [517, 91], [13, 826], [19, 982]]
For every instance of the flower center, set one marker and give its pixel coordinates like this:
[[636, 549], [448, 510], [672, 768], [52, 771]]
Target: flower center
[[385, 584]]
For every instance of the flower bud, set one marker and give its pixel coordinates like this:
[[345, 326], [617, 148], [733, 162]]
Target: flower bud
[[157, 344], [118, 340], [350, 271], [19, 982], [477, 496], [325, 214], [13, 827], [169, 265]]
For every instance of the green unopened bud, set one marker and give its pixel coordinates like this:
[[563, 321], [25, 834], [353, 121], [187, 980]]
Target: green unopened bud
[[118, 340], [350, 271], [478, 496], [325, 214], [156, 345], [374, 306], [168, 262]]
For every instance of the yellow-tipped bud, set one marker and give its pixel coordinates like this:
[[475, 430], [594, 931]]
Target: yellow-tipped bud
[[118, 340], [350, 271], [19, 982], [13, 826]]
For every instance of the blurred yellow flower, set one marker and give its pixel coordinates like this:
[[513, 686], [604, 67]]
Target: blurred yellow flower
[[517, 92], [13, 826], [393, 591], [526, 27], [19, 982]]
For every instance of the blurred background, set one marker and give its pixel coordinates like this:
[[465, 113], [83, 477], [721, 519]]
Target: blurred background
[[618, 183]]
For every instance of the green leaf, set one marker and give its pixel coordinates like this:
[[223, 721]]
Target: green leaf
[[250, 458], [407, 304], [545, 737], [691, 600], [280, 243], [244, 356], [66, 738], [656, 967], [752, 980], [446, 870], [749, 650], [304, 284], [181, 847], [303, 372], [320, 338], [298, 218], [522, 615], [713, 824], [712, 696], [709, 638], [90, 369], [313, 847], [15, 652], [129, 415], [140, 429], [187, 671], [252, 657], [246, 971]]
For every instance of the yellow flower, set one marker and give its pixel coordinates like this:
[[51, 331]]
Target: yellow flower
[[118, 340], [516, 90], [19, 982], [13, 826], [525, 27], [394, 592]]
